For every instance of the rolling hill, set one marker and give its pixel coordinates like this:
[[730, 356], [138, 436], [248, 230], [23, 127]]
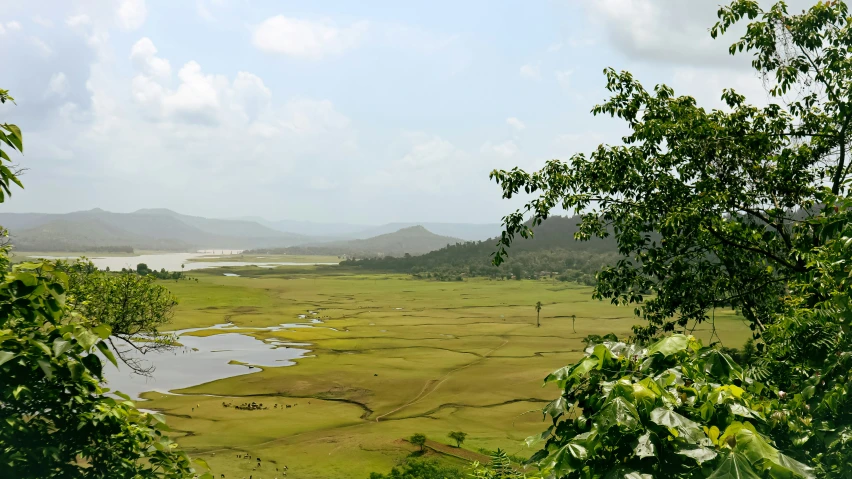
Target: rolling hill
[[551, 251], [413, 240], [158, 229]]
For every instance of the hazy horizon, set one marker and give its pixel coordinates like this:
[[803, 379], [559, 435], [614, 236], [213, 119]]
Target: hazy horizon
[[336, 113]]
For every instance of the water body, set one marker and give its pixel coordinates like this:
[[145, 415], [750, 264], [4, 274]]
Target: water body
[[173, 261], [205, 359]]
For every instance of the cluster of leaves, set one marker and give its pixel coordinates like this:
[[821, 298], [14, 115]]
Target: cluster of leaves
[[500, 467], [674, 409], [703, 204], [134, 306], [56, 419], [142, 269], [420, 469]]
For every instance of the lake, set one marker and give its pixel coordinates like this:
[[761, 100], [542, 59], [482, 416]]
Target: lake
[[173, 261], [206, 358]]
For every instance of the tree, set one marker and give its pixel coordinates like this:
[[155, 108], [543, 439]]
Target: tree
[[745, 208], [458, 437], [142, 269], [704, 204], [573, 321], [56, 420], [538, 314], [133, 306], [418, 440], [418, 469]]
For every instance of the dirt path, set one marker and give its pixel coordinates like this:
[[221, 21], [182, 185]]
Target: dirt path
[[458, 452], [432, 385]]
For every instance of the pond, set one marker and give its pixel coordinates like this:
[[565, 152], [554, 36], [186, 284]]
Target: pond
[[174, 261], [206, 358]]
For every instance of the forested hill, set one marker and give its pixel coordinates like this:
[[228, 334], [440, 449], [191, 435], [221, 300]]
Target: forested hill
[[413, 240], [552, 251]]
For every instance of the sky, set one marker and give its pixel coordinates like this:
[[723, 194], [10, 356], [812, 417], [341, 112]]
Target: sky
[[331, 111]]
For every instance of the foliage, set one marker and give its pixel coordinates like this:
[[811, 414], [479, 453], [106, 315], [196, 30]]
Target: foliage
[[703, 205], [458, 437], [418, 439], [744, 207], [56, 420], [142, 269], [133, 306], [419, 469], [500, 467], [674, 408]]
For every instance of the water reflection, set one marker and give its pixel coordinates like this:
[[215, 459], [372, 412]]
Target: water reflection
[[203, 359], [175, 262]]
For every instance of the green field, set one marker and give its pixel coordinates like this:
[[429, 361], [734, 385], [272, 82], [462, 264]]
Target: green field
[[406, 356]]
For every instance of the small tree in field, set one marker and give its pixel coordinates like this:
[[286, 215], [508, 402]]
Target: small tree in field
[[418, 439], [573, 319], [538, 314], [458, 437]]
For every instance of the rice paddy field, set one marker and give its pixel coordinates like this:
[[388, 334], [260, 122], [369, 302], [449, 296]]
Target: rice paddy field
[[393, 356]]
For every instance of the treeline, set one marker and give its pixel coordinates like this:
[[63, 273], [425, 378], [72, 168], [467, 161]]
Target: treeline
[[552, 252]]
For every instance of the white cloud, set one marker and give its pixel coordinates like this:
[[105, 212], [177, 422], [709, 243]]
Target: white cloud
[[131, 14], [57, 86], [13, 26], [45, 22], [78, 20], [531, 71], [555, 47], [43, 47], [2, 29], [564, 78], [143, 54], [306, 39], [515, 123], [507, 149]]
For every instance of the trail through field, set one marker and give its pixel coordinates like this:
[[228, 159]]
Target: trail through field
[[432, 384]]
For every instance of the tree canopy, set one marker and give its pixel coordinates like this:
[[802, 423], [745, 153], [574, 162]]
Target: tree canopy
[[56, 418], [745, 207]]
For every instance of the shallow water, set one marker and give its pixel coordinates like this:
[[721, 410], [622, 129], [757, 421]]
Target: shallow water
[[174, 261], [205, 359]]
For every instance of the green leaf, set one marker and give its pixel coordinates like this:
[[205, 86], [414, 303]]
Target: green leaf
[[735, 466], [6, 356], [102, 330], [669, 345], [569, 457], [202, 462], [45, 367], [17, 138], [645, 447], [721, 366], [618, 412], [60, 346], [700, 454], [104, 349], [86, 339], [685, 427]]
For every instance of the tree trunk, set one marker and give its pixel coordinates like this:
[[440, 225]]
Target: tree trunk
[[538, 319]]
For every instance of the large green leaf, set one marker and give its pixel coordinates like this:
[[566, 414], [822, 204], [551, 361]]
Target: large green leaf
[[765, 457], [685, 427], [735, 466], [568, 458], [721, 366], [618, 412], [669, 345], [700, 454], [6, 356], [645, 447]]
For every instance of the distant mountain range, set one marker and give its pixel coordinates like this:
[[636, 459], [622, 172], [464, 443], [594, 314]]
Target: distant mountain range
[[413, 240], [163, 229], [157, 229], [334, 231]]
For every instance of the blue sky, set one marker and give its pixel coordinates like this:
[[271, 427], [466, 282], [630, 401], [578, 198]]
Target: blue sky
[[334, 111]]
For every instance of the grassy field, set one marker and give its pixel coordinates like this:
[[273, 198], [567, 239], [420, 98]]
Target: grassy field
[[403, 356]]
